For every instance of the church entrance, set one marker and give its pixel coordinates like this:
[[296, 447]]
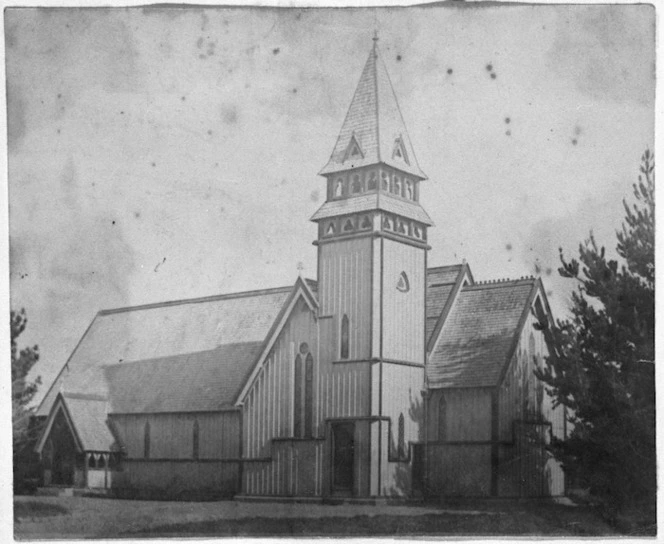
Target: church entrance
[[62, 453], [343, 458]]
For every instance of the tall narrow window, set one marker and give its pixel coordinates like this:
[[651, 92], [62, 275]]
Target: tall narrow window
[[339, 187], [402, 437], [344, 337], [385, 182], [297, 398], [357, 184], [372, 184], [308, 396], [442, 419], [196, 433], [146, 440]]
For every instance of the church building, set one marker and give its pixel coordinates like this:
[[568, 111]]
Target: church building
[[383, 377]]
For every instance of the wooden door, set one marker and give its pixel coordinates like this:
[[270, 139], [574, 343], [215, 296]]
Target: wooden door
[[343, 458]]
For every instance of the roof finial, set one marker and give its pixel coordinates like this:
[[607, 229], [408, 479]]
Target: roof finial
[[300, 268], [375, 40]]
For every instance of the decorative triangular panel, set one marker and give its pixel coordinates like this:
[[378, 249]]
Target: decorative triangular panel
[[403, 284], [399, 152], [353, 151]]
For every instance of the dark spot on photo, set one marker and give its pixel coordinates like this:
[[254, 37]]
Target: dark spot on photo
[[137, 215], [493, 76], [294, 91], [209, 132], [314, 195], [508, 132], [121, 113], [577, 130], [549, 271], [154, 164], [449, 70], [183, 98], [113, 222], [574, 141], [58, 131], [59, 95], [398, 57], [276, 51], [489, 67], [508, 120], [508, 246]]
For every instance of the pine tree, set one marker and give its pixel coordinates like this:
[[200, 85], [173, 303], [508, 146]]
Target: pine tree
[[602, 367], [23, 391]]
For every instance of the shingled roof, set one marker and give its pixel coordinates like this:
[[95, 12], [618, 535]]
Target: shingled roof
[[374, 120], [216, 335], [373, 201], [442, 283], [479, 334]]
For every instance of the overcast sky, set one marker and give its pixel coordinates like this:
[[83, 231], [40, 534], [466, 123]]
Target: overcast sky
[[160, 154]]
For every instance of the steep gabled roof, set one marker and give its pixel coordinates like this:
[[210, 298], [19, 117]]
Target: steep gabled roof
[[480, 333], [375, 123], [443, 283], [86, 417], [224, 329], [189, 382]]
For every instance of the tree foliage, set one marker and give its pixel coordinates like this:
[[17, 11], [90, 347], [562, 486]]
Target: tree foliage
[[602, 367], [23, 390]]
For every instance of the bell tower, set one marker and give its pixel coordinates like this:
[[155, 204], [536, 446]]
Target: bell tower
[[372, 253]]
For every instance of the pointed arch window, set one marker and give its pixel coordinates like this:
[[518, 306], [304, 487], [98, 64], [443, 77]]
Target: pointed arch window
[[366, 222], [353, 151], [297, 397], [402, 437], [330, 229], [196, 440], [345, 341], [384, 182], [387, 224], [396, 186], [372, 184], [442, 419], [348, 225], [403, 284], [409, 190], [308, 396], [357, 184], [146, 440], [339, 187]]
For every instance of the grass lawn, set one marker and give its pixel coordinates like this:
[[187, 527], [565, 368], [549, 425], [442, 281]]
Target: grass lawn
[[61, 517]]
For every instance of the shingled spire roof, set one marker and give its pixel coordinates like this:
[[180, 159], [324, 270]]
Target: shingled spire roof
[[375, 125]]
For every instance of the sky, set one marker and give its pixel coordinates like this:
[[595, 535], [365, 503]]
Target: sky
[[159, 154]]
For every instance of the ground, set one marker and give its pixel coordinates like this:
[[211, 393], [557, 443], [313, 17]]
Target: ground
[[86, 517]]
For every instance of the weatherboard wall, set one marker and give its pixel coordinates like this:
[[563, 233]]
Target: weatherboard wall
[[269, 404], [171, 436]]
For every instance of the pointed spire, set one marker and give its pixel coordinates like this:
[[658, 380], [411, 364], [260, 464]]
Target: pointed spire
[[374, 121]]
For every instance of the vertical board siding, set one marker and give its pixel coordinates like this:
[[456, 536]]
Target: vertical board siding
[[403, 313], [344, 280], [519, 400], [172, 435], [402, 394], [173, 478], [345, 390], [467, 414], [294, 469], [268, 406], [459, 470]]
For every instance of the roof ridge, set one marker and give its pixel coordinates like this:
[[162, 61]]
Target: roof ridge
[[504, 282], [450, 266], [239, 294]]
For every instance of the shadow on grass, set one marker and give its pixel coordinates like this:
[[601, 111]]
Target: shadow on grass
[[379, 525], [36, 509]]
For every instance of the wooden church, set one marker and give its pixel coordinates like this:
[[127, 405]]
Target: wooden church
[[381, 378]]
